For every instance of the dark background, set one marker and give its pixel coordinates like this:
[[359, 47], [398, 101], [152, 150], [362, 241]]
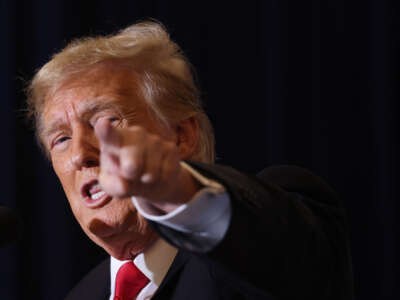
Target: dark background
[[311, 83]]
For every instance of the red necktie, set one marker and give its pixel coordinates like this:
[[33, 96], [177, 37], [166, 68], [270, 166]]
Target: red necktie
[[129, 282]]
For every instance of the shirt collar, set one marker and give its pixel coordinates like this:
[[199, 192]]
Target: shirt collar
[[154, 262]]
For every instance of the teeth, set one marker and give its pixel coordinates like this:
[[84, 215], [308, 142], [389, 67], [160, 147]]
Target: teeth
[[97, 195]]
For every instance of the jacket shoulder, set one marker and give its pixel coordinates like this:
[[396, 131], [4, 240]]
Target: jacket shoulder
[[292, 179], [299, 180], [95, 285]]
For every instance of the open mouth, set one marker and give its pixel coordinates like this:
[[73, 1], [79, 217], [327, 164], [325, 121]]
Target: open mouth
[[93, 195]]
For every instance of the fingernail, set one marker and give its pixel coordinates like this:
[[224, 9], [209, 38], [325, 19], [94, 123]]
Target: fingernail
[[146, 178]]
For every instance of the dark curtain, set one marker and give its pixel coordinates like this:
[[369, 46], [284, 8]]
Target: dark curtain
[[310, 83]]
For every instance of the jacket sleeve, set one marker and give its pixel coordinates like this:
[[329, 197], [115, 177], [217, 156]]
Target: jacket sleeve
[[287, 234]]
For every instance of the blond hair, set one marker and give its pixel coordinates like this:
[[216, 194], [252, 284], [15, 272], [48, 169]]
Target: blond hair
[[165, 76]]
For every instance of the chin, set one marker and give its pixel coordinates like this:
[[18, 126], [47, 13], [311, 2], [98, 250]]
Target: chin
[[120, 231], [119, 253], [128, 249], [127, 244]]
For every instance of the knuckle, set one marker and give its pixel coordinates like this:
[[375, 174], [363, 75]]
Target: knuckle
[[130, 136], [170, 146], [150, 178], [154, 139], [130, 169], [114, 185], [170, 166], [137, 130], [125, 188], [121, 187], [131, 154], [156, 143]]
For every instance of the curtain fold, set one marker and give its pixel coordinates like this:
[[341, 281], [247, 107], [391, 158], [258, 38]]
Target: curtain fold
[[311, 83]]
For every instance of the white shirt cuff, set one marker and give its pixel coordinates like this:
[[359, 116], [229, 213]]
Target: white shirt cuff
[[206, 215]]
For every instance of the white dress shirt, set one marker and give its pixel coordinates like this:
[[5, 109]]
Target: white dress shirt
[[154, 263], [206, 215]]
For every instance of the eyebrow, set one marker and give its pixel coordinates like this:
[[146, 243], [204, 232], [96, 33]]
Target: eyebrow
[[91, 108], [53, 127]]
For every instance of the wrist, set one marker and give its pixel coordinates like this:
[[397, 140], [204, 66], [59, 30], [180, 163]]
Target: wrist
[[183, 191]]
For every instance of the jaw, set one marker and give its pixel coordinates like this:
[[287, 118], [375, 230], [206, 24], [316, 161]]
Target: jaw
[[121, 234], [128, 244]]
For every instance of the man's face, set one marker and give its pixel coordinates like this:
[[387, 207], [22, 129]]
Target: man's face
[[69, 117]]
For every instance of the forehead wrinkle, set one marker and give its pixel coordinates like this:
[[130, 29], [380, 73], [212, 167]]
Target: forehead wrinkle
[[85, 111], [123, 90], [53, 127], [93, 106], [55, 124]]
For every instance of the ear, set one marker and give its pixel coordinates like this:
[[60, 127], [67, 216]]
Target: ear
[[187, 135]]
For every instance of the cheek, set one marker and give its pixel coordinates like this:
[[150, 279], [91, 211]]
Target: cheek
[[77, 211], [62, 168], [66, 178]]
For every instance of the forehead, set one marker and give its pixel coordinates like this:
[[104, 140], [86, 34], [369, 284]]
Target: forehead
[[103, 87], [107, 83]]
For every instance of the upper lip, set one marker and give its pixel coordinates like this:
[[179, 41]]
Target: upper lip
[[86, 186], [86, 195]]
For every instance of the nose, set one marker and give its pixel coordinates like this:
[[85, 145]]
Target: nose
[[85, 149]]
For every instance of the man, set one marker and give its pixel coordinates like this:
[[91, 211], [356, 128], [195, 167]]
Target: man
[[121, 120]]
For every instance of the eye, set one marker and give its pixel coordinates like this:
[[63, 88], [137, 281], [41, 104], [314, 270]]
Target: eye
[[114, 120], [60, 140]]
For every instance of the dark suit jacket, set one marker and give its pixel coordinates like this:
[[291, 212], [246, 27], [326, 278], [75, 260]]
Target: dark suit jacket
[[287, 240]]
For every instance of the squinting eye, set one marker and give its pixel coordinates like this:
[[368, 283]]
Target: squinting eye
[[115, 121], [60, 140]]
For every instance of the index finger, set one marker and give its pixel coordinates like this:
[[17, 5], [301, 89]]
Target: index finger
[[109, 136]]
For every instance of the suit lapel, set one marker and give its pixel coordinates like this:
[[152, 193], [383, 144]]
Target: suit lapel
[[170, 279]]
